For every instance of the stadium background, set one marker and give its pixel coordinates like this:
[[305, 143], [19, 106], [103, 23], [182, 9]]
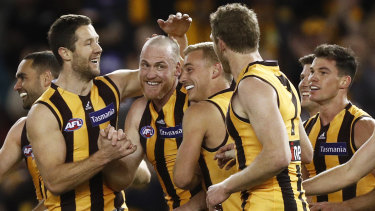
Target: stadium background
[[289, 29]]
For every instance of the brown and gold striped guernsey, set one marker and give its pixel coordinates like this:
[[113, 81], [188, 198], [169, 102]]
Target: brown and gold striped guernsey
[[212, 174], [283, 191], [80, 119], [334, 145], [160, 136], [28, 155]]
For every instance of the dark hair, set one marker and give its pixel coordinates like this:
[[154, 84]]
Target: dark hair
[[346, 62], [237, 26], [44, 60], [308, 59], [62, 33]]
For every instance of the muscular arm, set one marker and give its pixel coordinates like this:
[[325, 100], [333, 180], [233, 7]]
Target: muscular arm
[[363, 202], [142, 176], [195, 124], [346, 174], [10, 152], [307, 152], [129, 164], [48, 142], [262, 109], [127, 82], [363, 129]]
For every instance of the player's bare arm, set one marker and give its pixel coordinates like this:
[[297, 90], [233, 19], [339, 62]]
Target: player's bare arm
[[307, 151], [113, 171], [196, 122], [131, 163], [357, 167], [10, 152], [262, 109], [363, 130], [127, 82], [48, 142], [142, 176]]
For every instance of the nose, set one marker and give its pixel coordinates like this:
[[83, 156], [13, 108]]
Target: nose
[[98, 48], [18, 85], [312, 77]]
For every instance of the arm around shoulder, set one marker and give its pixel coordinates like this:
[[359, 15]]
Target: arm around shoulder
[[127, 81]]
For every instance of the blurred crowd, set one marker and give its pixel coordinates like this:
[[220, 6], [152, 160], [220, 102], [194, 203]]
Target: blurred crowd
[[289, 29]]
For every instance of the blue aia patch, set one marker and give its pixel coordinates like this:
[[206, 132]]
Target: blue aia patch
[[73, 124], [28, 151], [338, 148], [171, 132], [147, 131], [102, 115]]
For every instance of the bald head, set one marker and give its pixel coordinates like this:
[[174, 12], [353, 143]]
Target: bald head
[[164, 42]]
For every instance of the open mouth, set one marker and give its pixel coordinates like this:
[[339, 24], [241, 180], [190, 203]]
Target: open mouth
[[151, 83], [95, 61], [188, 87], [313, 88], [23, 94]]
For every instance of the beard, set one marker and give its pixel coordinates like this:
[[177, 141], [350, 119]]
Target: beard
[[82, 67], [160, 93]]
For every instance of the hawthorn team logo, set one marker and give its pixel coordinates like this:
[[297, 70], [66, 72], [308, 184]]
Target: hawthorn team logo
[[73, 124], [147, 131]]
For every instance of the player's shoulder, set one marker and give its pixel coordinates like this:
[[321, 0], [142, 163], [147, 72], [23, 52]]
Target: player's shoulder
[[18, 125], [202, 110]]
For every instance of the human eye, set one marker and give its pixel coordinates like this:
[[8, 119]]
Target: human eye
[[160, 66]]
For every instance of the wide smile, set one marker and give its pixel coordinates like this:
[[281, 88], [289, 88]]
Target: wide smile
[[95, 60], [23, 94], [189, 87], [152, 83]]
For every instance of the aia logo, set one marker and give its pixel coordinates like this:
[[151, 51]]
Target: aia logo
[[73, 124], [147, 131], [28, 151]]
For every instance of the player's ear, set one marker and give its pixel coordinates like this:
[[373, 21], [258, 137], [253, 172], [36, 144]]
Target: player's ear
[[217, 70], [345, 82], [178, 69], [65, 53]]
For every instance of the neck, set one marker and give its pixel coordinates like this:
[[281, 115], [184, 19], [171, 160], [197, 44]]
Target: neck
[[159, 103], [329, 110], [219, 85], [70, 81], [238, 61], [312, 111]]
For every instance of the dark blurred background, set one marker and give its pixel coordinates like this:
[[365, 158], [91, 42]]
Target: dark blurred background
[[289, 29]]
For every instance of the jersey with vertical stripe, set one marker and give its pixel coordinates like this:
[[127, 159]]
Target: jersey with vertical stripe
[[160, 136], [283, 191], [80, 119], [212, 174], [334, 145], [27, 153]]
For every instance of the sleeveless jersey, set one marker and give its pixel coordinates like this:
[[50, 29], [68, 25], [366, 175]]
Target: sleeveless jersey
[[334, 145], [283, 191], [27, 153], [212, 174], [160, 136], [80, 119]]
